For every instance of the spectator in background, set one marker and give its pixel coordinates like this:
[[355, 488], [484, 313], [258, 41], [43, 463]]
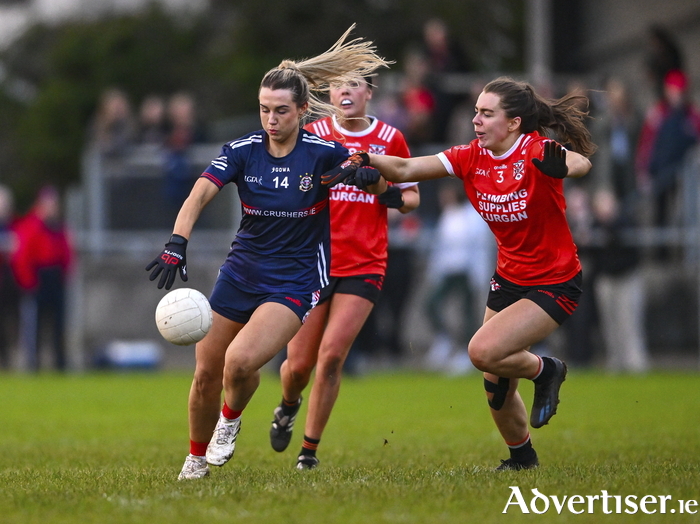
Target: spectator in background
[[616, 131], [9, 295], [444, 56], [462, 257], [183, 130], [581, 328], [619, 287], [671, 128], [113, 127], [663, 55], [417, 99], [151, 121], [40, 266], [460, 129]]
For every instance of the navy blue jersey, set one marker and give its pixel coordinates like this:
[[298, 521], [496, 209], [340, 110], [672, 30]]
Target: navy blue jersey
[[283, 241]]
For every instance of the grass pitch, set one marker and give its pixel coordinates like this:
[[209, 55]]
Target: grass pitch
[[400, 448]]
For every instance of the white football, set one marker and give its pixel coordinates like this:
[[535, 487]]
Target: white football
[[183, 316]]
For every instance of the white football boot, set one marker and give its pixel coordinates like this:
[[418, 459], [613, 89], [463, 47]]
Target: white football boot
[[223, 442], [194, 468]]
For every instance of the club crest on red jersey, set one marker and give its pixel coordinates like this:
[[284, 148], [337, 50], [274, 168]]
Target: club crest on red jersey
[[518, 169], [377, 149]]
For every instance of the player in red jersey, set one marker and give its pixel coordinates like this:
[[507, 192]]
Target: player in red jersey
[[358, 265], [513, 176]]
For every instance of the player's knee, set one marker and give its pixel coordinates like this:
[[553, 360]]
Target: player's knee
[[238, 371], [480, 355], [207, 383], [331, 364], [299, 370], [331, 358]]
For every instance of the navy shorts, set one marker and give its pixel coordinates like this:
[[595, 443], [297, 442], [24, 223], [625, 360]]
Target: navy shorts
[[234, 303], [365, 286], [558, 300]]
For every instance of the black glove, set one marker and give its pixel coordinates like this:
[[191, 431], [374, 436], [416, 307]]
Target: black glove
[[363, 177], [554, 161], [392, 197], [172, 259], [340, 173]]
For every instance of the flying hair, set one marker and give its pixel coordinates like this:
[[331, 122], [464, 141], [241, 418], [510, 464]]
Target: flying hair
[[310, 78]]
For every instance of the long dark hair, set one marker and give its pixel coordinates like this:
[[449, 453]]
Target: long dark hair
[[565, 116]]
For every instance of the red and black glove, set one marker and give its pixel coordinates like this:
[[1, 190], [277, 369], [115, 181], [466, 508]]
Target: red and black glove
[[554, 161], [348, 168], [172, 259], [392, 197]]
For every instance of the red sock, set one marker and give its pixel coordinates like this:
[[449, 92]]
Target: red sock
[[198, 449], [230, 414]]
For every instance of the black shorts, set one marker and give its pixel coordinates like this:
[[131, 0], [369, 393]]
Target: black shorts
[[365, 286], [558, 300]]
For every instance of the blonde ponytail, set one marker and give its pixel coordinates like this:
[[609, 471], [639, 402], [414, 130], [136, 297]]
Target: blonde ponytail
[[308, 78]]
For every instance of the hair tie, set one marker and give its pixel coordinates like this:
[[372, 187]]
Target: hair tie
[[288, 64]]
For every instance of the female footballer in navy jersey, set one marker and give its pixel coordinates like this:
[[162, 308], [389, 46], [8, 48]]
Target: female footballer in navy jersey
[[513, 175], [278, 260]]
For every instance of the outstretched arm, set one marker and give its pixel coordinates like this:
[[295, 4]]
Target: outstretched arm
[[578, 164], [415, 169]]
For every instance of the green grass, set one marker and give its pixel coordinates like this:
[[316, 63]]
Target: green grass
[[400, 448]]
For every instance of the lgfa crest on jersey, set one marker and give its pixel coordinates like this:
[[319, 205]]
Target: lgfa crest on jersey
[[306, 182]]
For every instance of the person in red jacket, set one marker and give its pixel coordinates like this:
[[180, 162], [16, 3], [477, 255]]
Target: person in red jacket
[[40, 266], [671, 128]]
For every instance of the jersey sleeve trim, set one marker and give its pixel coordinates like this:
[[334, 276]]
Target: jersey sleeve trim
[[446, 162], [212, 179]]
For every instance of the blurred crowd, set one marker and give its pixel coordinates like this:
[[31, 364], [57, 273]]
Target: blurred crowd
[[635, 182]]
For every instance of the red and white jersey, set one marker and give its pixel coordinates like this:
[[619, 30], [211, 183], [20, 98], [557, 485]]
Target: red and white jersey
[[358, 221], [524, 208]]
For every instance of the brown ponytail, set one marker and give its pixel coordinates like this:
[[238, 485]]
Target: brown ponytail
[[565, 117]]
